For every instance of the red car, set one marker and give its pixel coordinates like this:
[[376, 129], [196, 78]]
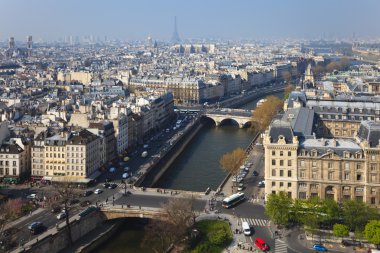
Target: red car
[[261, 244]]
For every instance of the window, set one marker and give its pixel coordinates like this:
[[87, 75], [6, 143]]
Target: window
[[329, 165], [314, 175], [14, 172], [273, 192], [302, 195], [346, 176], [281, 162], [373, 179], [373, 200], [358, 166], [302, 174], [331, 175], [273, 172], [358, 177], [273, 162], [373, 157], [289, 184], [314, 163], [289, 173], [302, 164], [373, 167], [281, 173], [346, 165], [1, 162], [281, 184], [281, 153], [273, 184], [6, 163], [289, 153], [289, 162], [273, 152]]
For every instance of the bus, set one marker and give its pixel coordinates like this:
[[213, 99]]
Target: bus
[[233, 200]]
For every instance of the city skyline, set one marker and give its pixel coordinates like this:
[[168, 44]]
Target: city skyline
[[196, 19]]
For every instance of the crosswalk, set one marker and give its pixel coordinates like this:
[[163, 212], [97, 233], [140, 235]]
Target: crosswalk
[[255, 200], [280, 246], [255, 222]]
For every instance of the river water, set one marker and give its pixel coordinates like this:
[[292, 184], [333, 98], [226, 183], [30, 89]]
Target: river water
[[195, 169]]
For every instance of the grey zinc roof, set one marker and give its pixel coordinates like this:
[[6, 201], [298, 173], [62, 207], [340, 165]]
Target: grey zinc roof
[[296, 95], [322, 146], [278, 128], [370, 131], [301, 120]]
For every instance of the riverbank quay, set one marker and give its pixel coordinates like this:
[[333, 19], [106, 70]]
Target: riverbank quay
[[150, 172]]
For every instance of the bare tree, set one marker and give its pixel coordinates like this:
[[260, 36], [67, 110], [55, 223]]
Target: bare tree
[[67, 193], [263, 115], [231, 162], [178, 216]]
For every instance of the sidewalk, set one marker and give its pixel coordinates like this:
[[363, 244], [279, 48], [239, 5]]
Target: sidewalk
[[297, 241], [23, 218]]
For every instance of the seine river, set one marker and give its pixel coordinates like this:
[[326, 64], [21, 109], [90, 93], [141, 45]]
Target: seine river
[[195, 169]]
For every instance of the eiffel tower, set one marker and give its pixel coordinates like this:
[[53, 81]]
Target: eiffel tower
[[175, 38]]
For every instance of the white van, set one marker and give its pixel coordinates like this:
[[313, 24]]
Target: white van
[[246, 228]]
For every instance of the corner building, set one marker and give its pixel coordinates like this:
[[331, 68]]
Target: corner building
[[302, 165]]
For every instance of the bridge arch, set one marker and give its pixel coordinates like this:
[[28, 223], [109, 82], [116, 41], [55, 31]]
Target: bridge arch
[[220, 121]]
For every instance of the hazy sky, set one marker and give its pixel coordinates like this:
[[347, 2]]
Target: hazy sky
[[233, 19]]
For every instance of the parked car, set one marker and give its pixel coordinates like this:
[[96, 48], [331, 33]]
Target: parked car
[[61, 215], [106, 185], [261, 183], [260, 243], [255, 173], [241, 187], [319, 247], [32, 196], [126, 169], [348, 242], [125, 175], [98, 191], [87, 193], [108, 179], [112, 170]]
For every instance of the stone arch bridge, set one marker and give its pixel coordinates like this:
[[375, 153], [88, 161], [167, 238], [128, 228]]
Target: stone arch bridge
[[125, 211], [240, 116]]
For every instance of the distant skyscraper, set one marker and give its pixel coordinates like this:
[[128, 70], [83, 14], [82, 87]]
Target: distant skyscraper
[[11, 43], [175, 37], [30, 45]]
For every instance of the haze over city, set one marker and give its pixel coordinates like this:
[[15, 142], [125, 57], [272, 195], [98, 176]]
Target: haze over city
[[241, 19]]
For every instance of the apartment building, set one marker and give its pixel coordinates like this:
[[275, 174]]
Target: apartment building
[[299, 163]]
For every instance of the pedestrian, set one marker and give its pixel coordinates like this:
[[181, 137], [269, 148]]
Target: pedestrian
[[250, 248]]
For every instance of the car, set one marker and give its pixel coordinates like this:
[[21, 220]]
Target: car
[[87, 193], [61, 215], [108, 179], [56, 209], [112, 170], [255, 173], [125, 175], [106, 185], [32, 196], [261, 183], [347, 242], [260, 243], [38, 230], [85, 203], [126, 169], [241, 187], [112, 186], [98, 191], [319, 247], [246, 228], [34, 225]]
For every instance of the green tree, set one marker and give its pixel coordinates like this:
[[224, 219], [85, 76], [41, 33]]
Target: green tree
[[340, 230], [332, 210], [231, 162], [356, 214], [278, 208], [372, 231]]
